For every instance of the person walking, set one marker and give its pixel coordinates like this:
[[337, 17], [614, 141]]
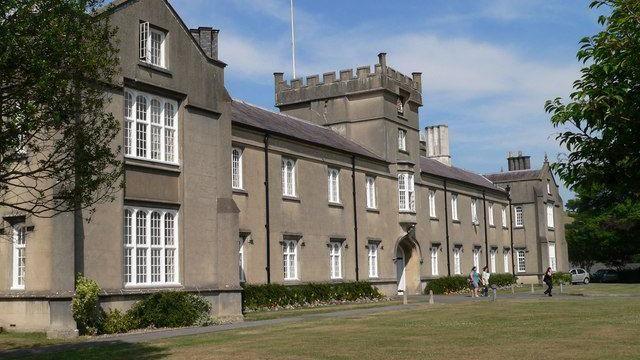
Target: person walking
[[484, 281], [474, 281], [548, 280]]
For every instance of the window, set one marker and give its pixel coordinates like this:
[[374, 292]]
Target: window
[[151, 45], [406, 193], [371, 192], [241, 274], [505, 260], [402, 140], [504, 217], [290, 259], [150, 246], [335, 259], [19, 257], [492, 260], [491, 215], [334, 185], [520, 260], [146, 135], [373, 260], [432, 203], [476, 258], [550, 215], [434, 261], [457, 267], [236, 168], [454, 207], [548, 186], [474, 211], [288, 177], [552, 256], [519, 216]]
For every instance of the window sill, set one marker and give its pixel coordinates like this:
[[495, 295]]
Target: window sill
[[403, 152], [551, 229], [242, 192], [455, 221], [152, 286], [335, 205], [505, 228], [492, 226], [155, 68], [433, 218], [17, 288], [408, 212], [518, 227], [373, 210], [290, 198], [151, 164]]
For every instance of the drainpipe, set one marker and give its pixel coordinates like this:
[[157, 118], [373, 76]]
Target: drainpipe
[[266, 216], [513, 263], [446, 228], [355, 213], [486, 237]]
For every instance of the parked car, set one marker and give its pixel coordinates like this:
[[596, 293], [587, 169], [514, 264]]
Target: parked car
[[579, 276], [605, 276]]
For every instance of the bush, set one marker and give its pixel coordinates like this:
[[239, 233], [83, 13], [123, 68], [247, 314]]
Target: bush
[[501, 280], [85, 306], [275, 295], [447, 284], [630, 276], [116, 322], [561, 277], [169, 309]]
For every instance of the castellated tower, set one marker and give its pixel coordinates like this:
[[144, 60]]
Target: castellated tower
[[377, 109]]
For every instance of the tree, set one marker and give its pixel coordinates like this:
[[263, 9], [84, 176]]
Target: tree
[[57, 151], [601, 131]]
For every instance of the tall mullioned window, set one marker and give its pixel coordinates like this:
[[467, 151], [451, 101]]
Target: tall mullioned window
[[288, 177], [150, 246], [454, 207], [372, 256], [474, 211], [503, 216], [334, 185], [236, 168], [552, 256], [492, 260], [457, 265], [335, 259], [434, 261], [290, 259], [432, 203], [505, 261], [406, 193], [550, 222], [476, 258], [402, 140], [520, 261], [19, 242], [150, 127], [519, 216], [152, 45], [490, 214], [371, 192]]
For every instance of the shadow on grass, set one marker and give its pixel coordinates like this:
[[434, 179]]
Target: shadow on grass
[[90, 350]]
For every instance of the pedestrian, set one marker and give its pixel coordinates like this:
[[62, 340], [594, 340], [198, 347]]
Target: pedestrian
[[548, 280], [474, 281], [484, 281]]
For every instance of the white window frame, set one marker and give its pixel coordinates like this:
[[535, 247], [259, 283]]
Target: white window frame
[[432, 204], [504, 217], [457, 264], [131, 247], [333, 179], [505, 260], [519, 215], [241, 262], [454, 207], [19, 268], [236, 168], [552, 256], [548, 187], [335, 259], [490, 215], [492, 260], [474, 211], [434, 261], [402, 139], [476, 258], [372, 256], [521, 265], [550, 216], [372, 202], [167, 125], [406, 192], [290, 259], [288, 177], [146, 45]]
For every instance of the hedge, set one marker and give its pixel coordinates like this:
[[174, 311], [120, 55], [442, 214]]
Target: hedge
[[629, 276], [501, 280], [447, 284], [561, 277], [270, 296]]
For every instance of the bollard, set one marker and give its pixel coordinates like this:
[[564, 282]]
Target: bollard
[[431, 297], [495, 293], [513, 289], [561, 289], [532, 290], [404, 298]]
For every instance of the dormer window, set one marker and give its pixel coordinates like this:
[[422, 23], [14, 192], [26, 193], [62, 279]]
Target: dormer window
[[152, 45]]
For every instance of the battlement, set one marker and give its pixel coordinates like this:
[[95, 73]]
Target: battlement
[[348, 81]]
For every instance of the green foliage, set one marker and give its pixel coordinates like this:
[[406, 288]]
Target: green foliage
[[85, 306], [629, 276], [501, 280], [275, 295], [115, 322], [448, 284], [561, 277], [169, 309]]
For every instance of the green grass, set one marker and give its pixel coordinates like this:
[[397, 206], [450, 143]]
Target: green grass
[[596, 289], [267, 315], [545, 328], [13, 340]]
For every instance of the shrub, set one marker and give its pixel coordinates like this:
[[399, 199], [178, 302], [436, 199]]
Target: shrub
[[561, 277], [447, 284], [116, 322], [85, 306], [275, 295], [501, 280], [629, 276], [169, 309]]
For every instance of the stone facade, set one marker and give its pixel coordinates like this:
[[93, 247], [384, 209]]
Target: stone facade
[[341, 185]]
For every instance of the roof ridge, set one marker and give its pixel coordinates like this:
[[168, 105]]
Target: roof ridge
[[511, 171]]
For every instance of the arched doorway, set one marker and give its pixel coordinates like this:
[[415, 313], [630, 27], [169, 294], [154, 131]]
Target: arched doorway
[[407, 263]]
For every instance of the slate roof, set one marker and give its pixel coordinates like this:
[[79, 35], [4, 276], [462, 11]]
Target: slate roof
[[516, 175], [288, 126], [431, 166]]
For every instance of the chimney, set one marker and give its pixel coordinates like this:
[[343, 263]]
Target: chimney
[[208, 39], [437, 143], [517, 161]]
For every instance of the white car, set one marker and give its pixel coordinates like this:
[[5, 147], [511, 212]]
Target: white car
[[579, 275]]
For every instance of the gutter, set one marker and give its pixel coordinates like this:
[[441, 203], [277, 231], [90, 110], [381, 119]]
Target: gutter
[[355, 213], [446, 228], [266, 191], [486, 236]]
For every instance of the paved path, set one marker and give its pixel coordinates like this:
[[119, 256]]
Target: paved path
[[414, 301]]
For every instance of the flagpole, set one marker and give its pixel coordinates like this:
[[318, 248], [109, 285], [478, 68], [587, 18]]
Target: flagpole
[[293, 43]]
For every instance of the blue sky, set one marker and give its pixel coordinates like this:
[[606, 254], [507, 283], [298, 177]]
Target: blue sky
[[488, 66]]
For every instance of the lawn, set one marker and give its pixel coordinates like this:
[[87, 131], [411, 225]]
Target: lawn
[[545, 328], [266, 315], [593, 289], [12, 340]]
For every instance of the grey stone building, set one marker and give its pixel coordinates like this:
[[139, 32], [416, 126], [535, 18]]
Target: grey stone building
[[340, 185]]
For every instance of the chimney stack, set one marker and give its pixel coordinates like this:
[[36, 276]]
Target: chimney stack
[[208, 39], [437, 143], [517, 161]]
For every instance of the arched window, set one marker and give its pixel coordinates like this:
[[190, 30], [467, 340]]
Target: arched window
[[156, 129], [169, 132], [236, 168], [290, 260], [128, 246], [335, 259], [334, 185], [288, 177], [371, 192], [141, 126], [128, 122]]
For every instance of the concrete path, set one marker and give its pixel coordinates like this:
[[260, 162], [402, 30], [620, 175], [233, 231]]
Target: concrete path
[[414, 301]]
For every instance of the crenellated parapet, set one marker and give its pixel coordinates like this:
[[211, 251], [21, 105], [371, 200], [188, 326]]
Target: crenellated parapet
[[348, 81]]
